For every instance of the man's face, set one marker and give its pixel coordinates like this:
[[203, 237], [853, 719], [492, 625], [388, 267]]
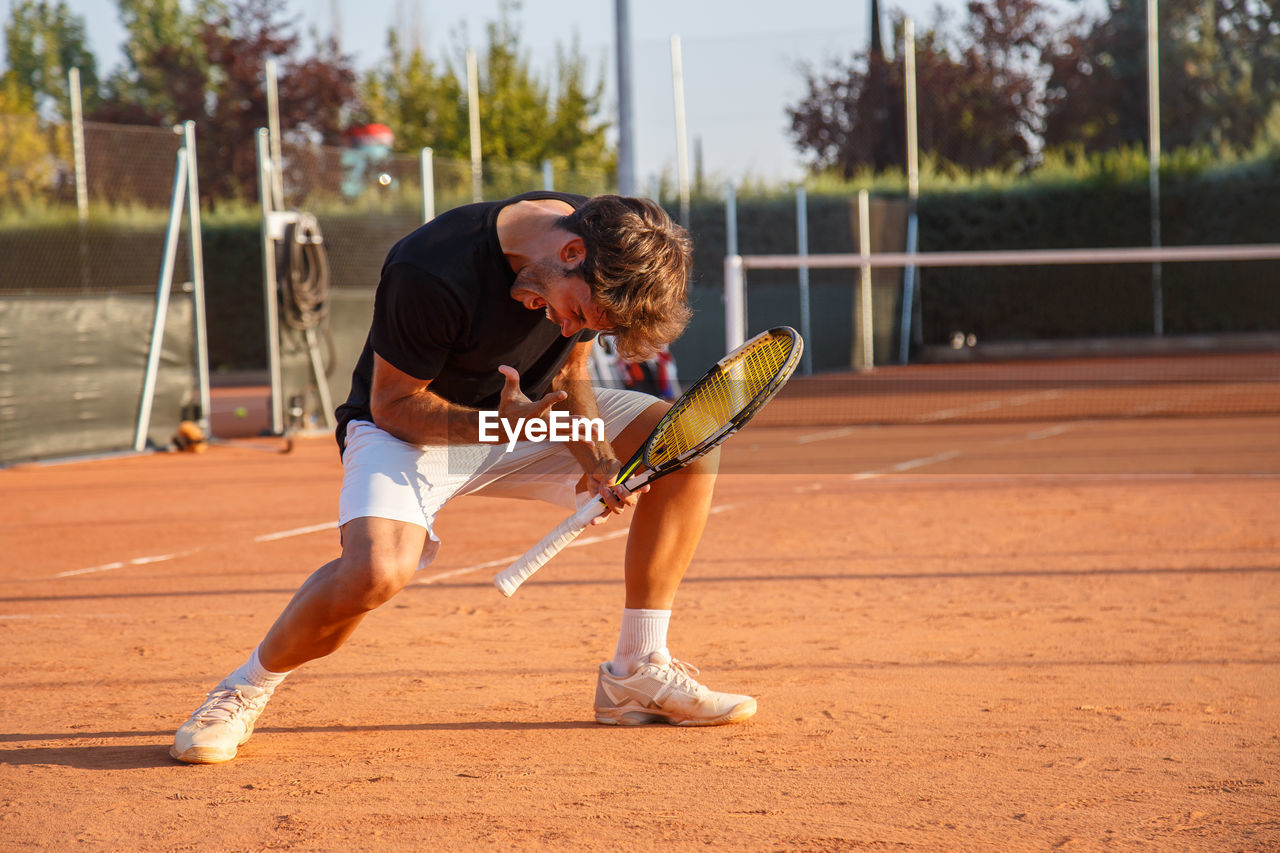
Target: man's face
[[565, 297]]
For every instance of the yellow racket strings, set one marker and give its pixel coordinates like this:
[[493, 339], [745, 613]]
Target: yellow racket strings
[[716, 400]]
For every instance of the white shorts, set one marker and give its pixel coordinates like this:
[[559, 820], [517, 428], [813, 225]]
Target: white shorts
[[385, 477]]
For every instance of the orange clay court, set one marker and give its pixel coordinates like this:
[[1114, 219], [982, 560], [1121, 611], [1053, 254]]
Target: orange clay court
[[1033, 632]]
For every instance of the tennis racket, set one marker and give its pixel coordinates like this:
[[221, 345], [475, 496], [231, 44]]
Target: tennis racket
[[714, 408]]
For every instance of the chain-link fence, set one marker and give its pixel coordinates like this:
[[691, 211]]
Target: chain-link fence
[[78, 287]]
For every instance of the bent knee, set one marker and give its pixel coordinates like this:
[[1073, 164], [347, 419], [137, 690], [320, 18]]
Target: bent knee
[[372, 577]]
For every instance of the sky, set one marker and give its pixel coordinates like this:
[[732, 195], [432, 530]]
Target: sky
[[741, 61]]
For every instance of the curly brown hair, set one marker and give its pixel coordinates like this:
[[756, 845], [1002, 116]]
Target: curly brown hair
[[637, 266]]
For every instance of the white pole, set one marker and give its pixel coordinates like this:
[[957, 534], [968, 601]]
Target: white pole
[[913, 143], [426, 167], [735, 307], [1153, 151], [910, 272], [273, 128], [269, 286], [865, 326], [548, 175], [802, 242], [163, 289], [682, 136], [473, 110], [77, 145], [626, 122], [196, 245]]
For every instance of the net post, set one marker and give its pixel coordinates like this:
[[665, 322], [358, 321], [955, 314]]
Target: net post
[[163, 289], [802, 242], [734, 302], [865, 325]]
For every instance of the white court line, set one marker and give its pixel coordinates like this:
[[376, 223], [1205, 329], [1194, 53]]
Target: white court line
[[160, 558], [939, 415], [988, 406], [900, 467], [297, 531], [826, 435], [1048, 432], [909, 465], [136, 561]]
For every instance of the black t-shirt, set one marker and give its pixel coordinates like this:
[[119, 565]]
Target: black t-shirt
[[443, 313]]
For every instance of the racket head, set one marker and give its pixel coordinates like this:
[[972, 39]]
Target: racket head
[[724, 398]]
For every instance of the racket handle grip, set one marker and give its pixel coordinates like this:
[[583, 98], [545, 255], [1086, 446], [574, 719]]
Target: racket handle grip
[[509, 579]]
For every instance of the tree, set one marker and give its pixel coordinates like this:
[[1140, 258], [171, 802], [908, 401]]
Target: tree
[[577, 133], [521, 120], [209, 66], [43, 42], [1219, 75], [28, 165], [314, 93], [978, 103], [166, 71], [423, 106]]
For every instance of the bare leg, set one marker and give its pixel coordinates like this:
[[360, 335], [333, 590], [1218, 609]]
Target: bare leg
[[668, 521], [379, 557]]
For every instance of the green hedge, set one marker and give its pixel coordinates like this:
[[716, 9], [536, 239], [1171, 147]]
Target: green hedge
[[1230, 205], [1237, 204]]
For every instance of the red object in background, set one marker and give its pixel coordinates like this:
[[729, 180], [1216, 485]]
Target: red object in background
[[370, 134]]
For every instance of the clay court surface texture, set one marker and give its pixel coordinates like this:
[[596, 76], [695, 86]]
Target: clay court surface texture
[[989, 635]]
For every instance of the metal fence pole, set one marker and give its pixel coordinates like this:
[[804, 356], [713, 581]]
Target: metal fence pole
[[682, 135], [426, 166], [802, 243], [909, 273], [273, 129], [82, 175], [473, 111], [77, 144], [195, 244], [1153, 157], [163, 288], [626, 120], [269, 282]]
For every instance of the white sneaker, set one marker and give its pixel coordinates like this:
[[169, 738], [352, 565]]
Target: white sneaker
[[219, 727], [663, 690]]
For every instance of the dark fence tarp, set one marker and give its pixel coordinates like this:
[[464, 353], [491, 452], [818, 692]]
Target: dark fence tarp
[[72, 370]]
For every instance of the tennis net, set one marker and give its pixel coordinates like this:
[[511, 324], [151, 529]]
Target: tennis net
[[958, 376]]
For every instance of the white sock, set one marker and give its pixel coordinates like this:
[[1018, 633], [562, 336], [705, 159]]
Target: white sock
[[253, 672], [643, 632]]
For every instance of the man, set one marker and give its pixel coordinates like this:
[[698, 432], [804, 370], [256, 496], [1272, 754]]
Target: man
[[496, 306]]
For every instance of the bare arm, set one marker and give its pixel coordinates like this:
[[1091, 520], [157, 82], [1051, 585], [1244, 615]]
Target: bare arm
[[597, 458], [406, 407]]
